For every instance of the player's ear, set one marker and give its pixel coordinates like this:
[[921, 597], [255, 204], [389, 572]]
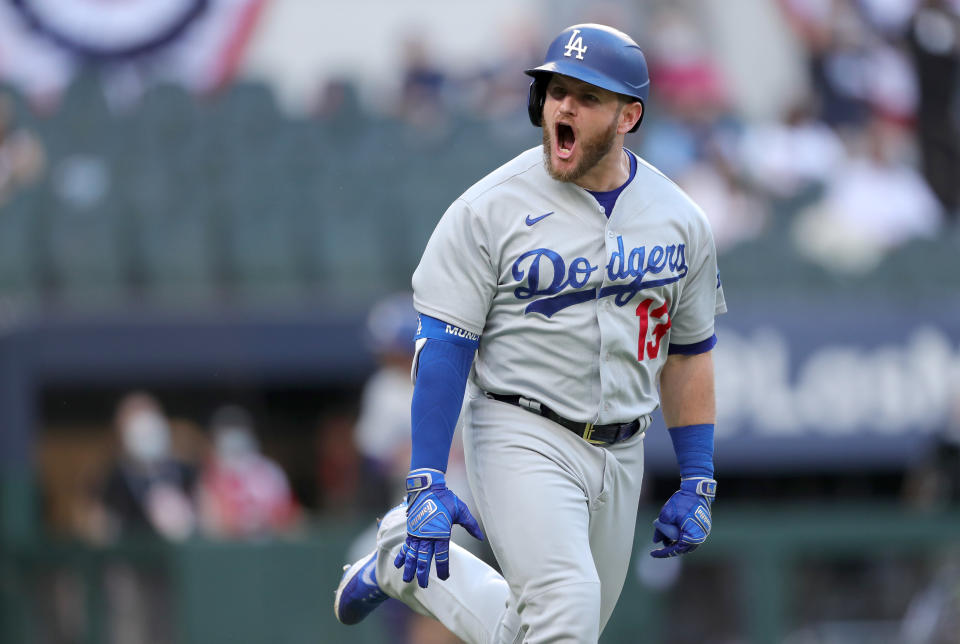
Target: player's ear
[[630, 116]]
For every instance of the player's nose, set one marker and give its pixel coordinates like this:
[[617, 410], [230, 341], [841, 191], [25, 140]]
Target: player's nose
[[567, 105]]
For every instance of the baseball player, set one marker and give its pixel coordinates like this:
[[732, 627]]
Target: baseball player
[[559, 291]]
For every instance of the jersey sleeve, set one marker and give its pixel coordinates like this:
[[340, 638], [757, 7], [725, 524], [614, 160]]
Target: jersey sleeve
[[456, 278], [701, 298]]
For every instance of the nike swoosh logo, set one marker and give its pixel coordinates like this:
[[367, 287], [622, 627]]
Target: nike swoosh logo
[[532, 220], [367, 575]]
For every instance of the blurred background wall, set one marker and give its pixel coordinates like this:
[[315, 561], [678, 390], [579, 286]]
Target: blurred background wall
[[210, 211]]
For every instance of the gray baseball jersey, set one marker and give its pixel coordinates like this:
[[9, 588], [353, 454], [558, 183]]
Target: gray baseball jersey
[[574, 309]]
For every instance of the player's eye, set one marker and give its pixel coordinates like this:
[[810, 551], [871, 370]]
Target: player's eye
[[557, 92]]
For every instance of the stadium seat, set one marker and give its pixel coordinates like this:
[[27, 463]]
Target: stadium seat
[[175, 236], [18, 260], [87, 253]]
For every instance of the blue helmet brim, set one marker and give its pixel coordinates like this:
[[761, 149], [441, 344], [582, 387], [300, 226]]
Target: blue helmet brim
[[587, 75]]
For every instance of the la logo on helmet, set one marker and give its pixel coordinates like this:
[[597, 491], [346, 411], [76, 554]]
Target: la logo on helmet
[[575, 45]]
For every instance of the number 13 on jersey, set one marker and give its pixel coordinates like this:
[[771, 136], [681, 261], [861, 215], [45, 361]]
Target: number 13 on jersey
[[661, 323]]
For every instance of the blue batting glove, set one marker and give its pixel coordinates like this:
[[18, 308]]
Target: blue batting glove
[[684, 521], [432, 510]]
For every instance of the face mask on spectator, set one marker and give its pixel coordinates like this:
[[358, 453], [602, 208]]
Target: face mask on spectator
[[234, 444], [146, 436]]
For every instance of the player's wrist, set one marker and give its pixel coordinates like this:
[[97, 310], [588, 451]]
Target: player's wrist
[[431, 470], [693, 446]]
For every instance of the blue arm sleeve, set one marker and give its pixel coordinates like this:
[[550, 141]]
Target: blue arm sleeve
[[693, 445], [442, 369]]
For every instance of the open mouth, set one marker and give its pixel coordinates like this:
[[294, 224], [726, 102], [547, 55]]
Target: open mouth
[[566, 140]]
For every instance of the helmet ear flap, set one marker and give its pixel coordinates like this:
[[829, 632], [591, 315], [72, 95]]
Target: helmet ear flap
[[535, 100]]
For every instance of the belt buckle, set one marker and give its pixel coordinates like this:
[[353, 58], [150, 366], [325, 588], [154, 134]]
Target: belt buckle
[[530, 405], [587, 433]]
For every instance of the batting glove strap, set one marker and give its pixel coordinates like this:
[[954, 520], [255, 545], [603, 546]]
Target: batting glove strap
[[418, 481], [423, 478], [701, 486]]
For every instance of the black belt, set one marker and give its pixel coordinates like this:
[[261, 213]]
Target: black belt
[[594, 434]]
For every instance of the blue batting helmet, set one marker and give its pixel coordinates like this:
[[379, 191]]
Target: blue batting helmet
[[594, 54]]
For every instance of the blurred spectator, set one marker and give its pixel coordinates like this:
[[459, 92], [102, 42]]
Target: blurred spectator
[[687, 79], [934, 40], [339, 485], [691, 132], [833, 35], [147, 491], [423, 85], [498, 91], [336, 99], [792, 156], [875, 202], [241, 492], [22, 157], [736, 214], [856, 69], [383, 426], [891, 84], [888, 17], [691, 120]]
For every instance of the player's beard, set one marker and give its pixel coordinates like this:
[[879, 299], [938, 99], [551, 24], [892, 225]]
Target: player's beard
[[591, 151]]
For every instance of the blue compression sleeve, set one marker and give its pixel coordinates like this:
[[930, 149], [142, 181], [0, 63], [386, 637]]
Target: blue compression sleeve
[[693, 445], [442, 371]]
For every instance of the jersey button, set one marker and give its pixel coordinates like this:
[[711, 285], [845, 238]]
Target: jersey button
[[610, 234]]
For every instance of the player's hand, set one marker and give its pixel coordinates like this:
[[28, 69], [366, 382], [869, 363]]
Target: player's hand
[[432, 510], [684, 521]]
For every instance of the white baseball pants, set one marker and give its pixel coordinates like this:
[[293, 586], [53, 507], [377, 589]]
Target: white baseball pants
[[560, 516]]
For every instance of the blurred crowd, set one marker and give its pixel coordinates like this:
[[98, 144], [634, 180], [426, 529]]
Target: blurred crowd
[[878, 134], [154, 479], [231, 491], [858, 159], [862, 157]]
